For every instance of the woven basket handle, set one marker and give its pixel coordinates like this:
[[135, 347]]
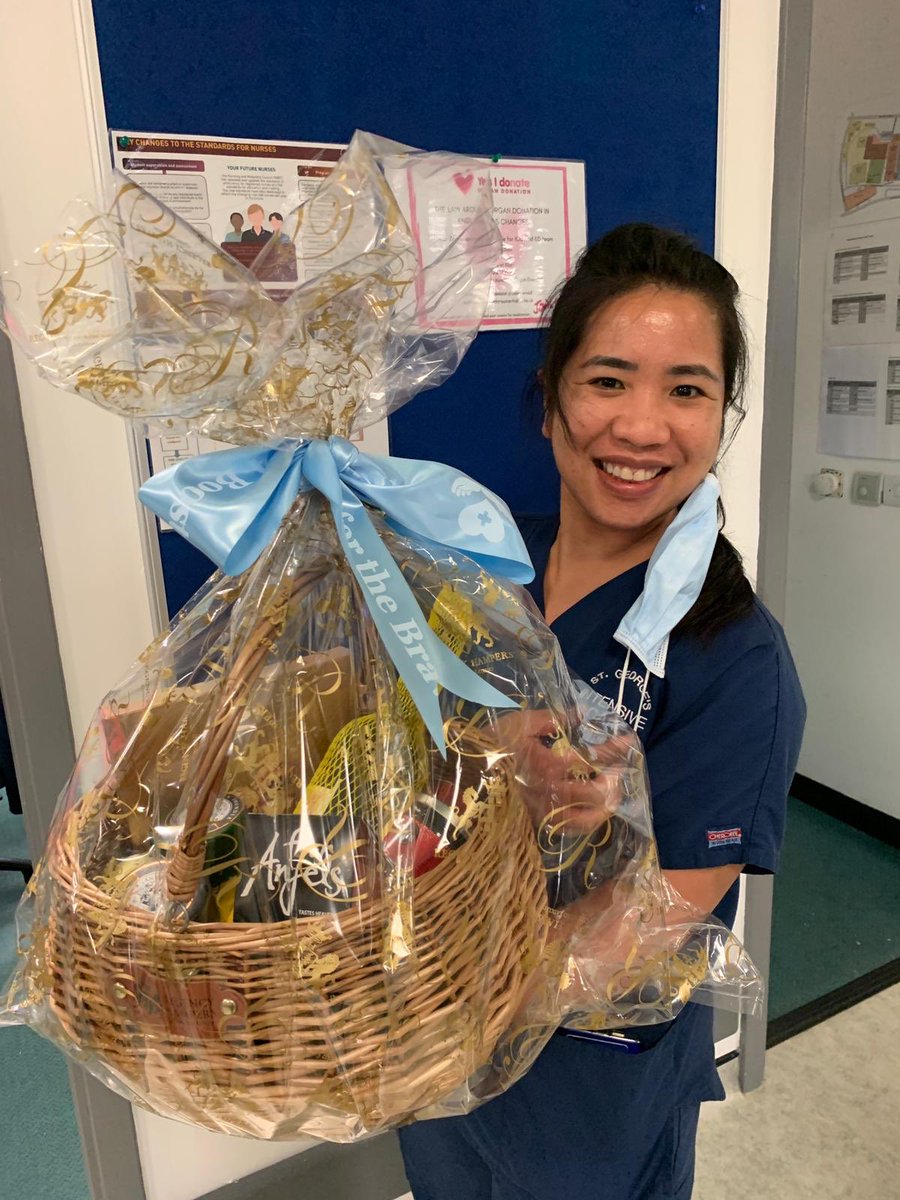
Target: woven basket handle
[[183, 874]]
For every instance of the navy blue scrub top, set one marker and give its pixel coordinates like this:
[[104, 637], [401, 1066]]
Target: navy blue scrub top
[[721, 730]]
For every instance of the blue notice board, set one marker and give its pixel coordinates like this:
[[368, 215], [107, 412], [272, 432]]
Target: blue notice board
[[629, 86]]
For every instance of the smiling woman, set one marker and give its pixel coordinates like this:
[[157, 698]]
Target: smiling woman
[[645, 355], [644, 365], [634, 428]]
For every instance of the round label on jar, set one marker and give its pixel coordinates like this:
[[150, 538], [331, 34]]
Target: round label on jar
[[146, 889], [226, 810]]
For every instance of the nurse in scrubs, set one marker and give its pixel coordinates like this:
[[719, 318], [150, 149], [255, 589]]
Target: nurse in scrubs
[[644, 365]]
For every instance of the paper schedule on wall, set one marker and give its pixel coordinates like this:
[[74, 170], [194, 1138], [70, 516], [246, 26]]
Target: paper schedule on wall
[[860, 400], [860, 403], [862, 284]]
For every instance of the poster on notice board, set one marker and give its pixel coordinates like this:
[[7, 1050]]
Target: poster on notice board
[[238, 194]]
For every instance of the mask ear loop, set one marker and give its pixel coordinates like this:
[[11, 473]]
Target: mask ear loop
[[644, 685], [622, 681]]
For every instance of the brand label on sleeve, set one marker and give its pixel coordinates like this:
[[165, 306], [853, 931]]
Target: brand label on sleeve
[[723, 837]]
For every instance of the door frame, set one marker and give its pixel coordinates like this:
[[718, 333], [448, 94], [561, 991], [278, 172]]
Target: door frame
[[777, 432]]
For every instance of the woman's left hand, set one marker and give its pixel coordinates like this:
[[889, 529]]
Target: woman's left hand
[[582, 787]]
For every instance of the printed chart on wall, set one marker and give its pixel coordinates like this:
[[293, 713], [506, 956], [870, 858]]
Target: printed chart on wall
[[239, 195], [860, 404]]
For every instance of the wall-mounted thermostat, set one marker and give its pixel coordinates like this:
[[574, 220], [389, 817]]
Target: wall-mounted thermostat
[[828, 482]]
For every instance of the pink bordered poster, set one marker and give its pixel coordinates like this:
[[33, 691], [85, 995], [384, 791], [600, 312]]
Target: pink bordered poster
[[540, 207]]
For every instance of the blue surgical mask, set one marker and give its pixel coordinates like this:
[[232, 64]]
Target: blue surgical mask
[[675, 575]]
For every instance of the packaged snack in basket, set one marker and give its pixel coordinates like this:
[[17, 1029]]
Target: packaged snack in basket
[[334, 852]]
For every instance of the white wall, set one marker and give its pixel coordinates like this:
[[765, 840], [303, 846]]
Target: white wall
[[79, 455], [844, 559], [180, 1162], [748, 76]]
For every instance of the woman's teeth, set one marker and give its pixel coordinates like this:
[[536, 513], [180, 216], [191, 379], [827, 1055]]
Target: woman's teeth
[[631, 474]]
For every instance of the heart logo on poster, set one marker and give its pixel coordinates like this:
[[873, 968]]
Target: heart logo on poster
[[482, 519], [464, 182]]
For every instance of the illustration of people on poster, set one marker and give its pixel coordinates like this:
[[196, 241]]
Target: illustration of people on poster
[[236, 193]]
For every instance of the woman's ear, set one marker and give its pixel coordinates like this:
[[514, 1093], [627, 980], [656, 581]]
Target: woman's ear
[[547, 422]]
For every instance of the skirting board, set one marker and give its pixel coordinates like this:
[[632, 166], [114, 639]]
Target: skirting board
[[852, 812], [829, 1005]]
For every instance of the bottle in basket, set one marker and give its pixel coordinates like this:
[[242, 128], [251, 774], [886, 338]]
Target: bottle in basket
[[300, 865]]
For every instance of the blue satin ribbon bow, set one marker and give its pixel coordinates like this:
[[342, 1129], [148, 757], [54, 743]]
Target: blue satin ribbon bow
[[230, 503]]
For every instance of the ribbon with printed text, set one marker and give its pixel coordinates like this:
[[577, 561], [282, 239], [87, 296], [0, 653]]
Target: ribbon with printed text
[[230, 503]]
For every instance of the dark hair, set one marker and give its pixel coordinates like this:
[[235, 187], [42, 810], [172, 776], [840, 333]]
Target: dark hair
[[628, 258], [277, 216], [240, 217]]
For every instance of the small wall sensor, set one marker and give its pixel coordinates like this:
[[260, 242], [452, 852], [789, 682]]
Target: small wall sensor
[[866, 488]]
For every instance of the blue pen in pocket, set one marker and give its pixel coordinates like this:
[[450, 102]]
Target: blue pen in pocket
[[616, 1041]]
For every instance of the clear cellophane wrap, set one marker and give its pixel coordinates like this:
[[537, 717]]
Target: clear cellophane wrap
[[270, 904]]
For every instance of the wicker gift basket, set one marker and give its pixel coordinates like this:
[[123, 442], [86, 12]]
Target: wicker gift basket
[[285, 1024]]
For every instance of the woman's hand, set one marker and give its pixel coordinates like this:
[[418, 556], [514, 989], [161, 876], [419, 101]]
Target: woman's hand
[[578, 789]]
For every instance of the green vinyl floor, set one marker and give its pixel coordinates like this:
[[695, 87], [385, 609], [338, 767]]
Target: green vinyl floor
[[837, 908], [40, 1151]]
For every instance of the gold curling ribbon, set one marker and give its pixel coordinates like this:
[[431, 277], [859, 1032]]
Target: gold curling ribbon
[[349, 761]]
